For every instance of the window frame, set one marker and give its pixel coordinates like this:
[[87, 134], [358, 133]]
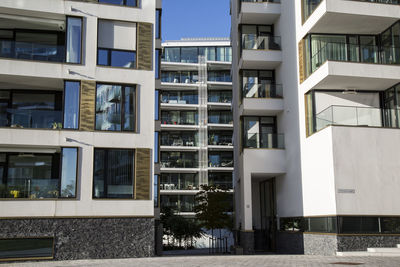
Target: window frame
[[79, 106], [123, 5], [106, 167], [136, 110], [66, 40]]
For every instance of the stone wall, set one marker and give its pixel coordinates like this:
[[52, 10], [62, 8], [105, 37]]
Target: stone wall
[[320, 244], [362, 242], [88, 238]]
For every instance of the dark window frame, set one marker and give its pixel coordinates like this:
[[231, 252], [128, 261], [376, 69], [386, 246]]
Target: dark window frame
[[106, 150], [136, 110], [66, 40], [124, 4]]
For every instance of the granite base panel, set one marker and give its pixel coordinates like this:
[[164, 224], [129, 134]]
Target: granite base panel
[[315, 244], [362, 242], [247, 242], [88, 238], [290, 243]]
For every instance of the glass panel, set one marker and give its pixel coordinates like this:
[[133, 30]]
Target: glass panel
[[31, 176], [189, 54], [38, 46], [156, 182], [172, 54], [103, 57], [158, 23], [221, 180], [26, 248], [156, 105], [131, 2], [220, 159], [156, 138], [129, 115], [35, 111], [157, 64], [69, 172], [179, 160], [390, 225], [123, 59], [220, 53], [74, 39], [114, 2], [113, 173], [108, 107], [71, 105]]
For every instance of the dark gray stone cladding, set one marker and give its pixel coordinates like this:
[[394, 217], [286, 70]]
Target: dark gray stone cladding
[[362, 242], [290, 243], [88, 238]]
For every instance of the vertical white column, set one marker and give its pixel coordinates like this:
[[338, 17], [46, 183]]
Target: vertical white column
[[203, 121]]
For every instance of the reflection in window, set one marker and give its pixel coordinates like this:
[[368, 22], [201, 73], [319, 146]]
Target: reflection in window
[[132, 3], [116, 58], [37, 175], [113, 173], [158, 62], [158, 23], [69, 172], [191, 54], [71, 105], [12, 248], [156, 190], [115, 107], [74, 39]]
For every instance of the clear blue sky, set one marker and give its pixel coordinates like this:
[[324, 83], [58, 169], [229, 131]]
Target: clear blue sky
[[195, 18]]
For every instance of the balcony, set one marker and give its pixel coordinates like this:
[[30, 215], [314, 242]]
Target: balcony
[[220, 161], [259, 11], [174, 80], [178, 203], [220, 120], [351, 17], [333, 66], [179, 162], [220, 99], [356, 116], [261, 99], [223, 180], [260, 52], [179, 182], [179, 119], [221, 140], [179, 141], [179, 100], [264, 141]]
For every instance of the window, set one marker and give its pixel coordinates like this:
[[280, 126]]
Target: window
[[74, 40], [39, 175], [131, 3], [21, 248], [116, 44], [71, 104], [31, 109], [113, 173], [115, 107], [156, 191], [158, 64], [158, 24], [156, 138]]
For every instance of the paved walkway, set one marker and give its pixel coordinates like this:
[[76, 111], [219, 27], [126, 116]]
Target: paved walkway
[[228, 261]]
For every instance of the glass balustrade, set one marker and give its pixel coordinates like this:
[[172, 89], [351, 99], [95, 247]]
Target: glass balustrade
[[32, 51], [217, 117], [179, 118], [179, 139], [264, 140], [220, 139], [253, 90], [179, 160], [220, 159], [354, 116], [220, 96], [254, 42], [42, 119], [179, 181], [191, 98]]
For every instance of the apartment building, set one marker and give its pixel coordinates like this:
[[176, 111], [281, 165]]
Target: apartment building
[[194, 123], [77, 85], [316, 101]]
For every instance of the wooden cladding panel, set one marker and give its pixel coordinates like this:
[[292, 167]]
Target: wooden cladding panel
[[145, 46], [87, 106], [302, 73], [143, 174]]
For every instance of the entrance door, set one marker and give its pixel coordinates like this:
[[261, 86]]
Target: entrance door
[[265, 236]]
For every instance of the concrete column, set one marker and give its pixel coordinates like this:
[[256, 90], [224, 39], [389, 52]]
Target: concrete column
[[246, 233]]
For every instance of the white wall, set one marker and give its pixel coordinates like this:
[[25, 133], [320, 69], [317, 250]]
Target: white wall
[[84, 205]]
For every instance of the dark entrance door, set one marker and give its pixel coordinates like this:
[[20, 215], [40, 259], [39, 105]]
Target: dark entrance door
[[265, 236]]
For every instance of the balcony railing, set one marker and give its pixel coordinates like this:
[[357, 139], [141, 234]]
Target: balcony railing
[[220, 141], [355, 116], [216, 98], [355, 53], [179, 186], [190, 100], [39, 119], [31, 51], [220, 163], [225, 119], [180, 163], [253, 42], [179, 142], [252, 90], [264, 140]]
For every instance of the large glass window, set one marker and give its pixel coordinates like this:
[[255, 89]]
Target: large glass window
[[220, 159], [158, 64], [261, 132], [132, 3], [37, 175], [31, 109], [179, 117], [113, 173], [179, 160], [156, 190], [156, 143], [179, 181], [71, 104], [220, 117], [115, 107], [221, 180], [191, 54], [188, 138], [180, 97], [158, 24], [74, 39], [26, 248]]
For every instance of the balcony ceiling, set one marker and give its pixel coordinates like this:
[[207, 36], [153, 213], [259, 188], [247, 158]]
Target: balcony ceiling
[[260, 59], [259, 13], [27, 83]]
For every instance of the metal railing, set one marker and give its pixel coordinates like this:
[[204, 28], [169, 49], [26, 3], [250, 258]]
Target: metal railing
[[217, 245], [264, 140], [253, 90], [253, 42]]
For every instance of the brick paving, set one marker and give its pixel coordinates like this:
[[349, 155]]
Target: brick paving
[[223, 261]]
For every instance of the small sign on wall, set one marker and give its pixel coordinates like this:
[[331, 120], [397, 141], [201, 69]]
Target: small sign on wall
[[346, 191]]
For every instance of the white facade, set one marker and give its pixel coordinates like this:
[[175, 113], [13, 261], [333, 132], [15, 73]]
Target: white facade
[[337, 162], [118, 28]]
